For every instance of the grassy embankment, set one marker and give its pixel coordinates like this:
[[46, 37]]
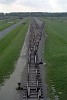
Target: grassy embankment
[[56, 58], [6, 23], [10, 47]]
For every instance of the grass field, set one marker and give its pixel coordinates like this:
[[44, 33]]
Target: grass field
[[6, 23], [10, 48], [56, 58]]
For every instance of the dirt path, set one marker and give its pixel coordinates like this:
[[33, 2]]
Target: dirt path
[[42, 67], [9, 29], [8, 91]]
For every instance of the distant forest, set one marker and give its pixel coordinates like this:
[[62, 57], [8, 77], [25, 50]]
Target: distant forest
[[32, 14]]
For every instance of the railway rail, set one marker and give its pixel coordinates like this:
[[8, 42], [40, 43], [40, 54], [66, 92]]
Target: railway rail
[[32, 89]]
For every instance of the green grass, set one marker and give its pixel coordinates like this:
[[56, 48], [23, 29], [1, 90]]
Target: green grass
[[56, 58], [10, 48], [5, 23], [4, 26]]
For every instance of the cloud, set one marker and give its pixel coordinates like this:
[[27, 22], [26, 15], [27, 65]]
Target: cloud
[[33, 5], [57, 5], [7, 1], [62, 2]]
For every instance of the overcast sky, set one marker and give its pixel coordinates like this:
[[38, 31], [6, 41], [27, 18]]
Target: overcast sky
[[33, 6]]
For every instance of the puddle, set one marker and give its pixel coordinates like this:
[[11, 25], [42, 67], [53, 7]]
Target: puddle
[[8, 90]]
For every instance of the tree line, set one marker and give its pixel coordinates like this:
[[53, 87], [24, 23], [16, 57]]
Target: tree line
[[32, 14]]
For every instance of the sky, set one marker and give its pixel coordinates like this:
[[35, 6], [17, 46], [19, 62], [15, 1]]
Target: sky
[[7, 6]]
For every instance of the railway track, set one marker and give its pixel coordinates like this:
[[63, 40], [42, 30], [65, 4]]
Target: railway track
[[32, 88]]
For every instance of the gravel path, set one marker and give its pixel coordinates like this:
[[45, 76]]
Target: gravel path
[[38, 21], [42, 67], [8, 90], [9, 29]]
